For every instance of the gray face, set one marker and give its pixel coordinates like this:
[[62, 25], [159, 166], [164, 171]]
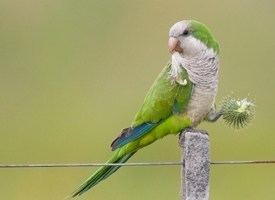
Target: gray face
[[179, 28], [182, 41]]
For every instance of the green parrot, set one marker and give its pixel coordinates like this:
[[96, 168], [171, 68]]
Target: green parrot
[[181, 97]]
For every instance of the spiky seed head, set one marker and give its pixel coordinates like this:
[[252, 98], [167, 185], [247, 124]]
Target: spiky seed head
[[237, 113]]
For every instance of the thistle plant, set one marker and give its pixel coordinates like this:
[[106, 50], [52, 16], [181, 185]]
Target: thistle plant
[[237, 113]]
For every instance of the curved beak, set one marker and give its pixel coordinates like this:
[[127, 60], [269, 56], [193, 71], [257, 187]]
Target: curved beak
[[174, 45]]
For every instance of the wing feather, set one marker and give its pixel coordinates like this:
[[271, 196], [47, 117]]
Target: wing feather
[[161, 98], [164, 98]]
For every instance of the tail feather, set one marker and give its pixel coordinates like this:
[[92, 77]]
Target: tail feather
[[101, 174]]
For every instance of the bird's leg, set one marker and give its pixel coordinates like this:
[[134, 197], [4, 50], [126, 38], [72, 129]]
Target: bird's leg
[[213, 115]]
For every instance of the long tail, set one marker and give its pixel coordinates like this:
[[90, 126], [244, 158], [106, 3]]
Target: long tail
[[102, 173]]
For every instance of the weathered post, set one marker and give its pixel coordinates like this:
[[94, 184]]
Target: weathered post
[[196, 168]]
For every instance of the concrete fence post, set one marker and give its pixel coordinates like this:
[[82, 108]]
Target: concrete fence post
[[195, 171]]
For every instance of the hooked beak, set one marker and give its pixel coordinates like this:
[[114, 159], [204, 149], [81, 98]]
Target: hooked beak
[[174, 45]]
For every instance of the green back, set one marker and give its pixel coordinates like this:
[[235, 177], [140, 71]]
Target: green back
[[164, 98]]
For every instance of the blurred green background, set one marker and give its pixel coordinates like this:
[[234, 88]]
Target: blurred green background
[[73, 74]]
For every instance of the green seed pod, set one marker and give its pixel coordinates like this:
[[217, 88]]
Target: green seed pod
[[237, 113]]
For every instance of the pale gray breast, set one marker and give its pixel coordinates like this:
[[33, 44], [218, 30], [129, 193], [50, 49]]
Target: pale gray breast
[[200, 105], [203, 72]]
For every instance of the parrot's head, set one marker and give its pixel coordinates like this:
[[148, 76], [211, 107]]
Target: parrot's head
[[190, 37]]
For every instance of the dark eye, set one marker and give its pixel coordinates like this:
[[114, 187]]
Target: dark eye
[[186, 32]]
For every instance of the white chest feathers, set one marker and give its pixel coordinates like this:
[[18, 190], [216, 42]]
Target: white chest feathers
[[202, 70], [200, 104]]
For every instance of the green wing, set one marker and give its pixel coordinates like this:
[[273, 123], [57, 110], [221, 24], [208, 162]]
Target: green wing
[[164, 98]]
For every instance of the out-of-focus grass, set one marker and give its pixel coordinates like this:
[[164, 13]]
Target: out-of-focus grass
[[73, 73]]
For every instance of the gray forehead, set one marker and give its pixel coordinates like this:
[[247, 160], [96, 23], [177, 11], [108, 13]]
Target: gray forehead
[[178, 28]]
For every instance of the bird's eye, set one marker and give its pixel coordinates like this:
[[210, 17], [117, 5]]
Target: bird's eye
[[186, 32]]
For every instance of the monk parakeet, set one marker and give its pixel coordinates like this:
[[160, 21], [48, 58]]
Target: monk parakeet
[[181, 97]]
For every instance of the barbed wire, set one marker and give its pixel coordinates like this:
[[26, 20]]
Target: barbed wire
[[138, 164]]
